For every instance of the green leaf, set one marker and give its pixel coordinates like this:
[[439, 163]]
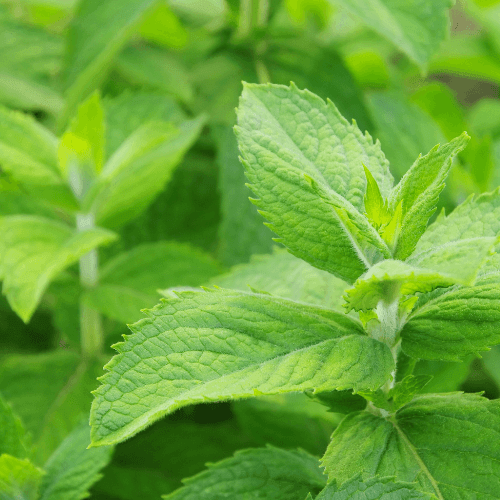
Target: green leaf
[[237, 345], [311, 193], [12, 433], [287, 421], [153, 68], [416, 28], [50, 392], [419, 191], [459, 322], [261, 473], [163, 27], [439, 101], [33, 250], [237, 212], [376, 488], [28, 151], [391, 279], [72, 469], [343, 402], [286, 276], [395, 116], [130, 281], [30, 59], [375, 206], [444, 442], [127, 112], [19, 479], [139, 169], [491, 361], [403, 392], [97, 33], [180, 448], [461, 241], [83, 142]]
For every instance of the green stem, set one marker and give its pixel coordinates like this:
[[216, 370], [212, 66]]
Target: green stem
[[90, 320]]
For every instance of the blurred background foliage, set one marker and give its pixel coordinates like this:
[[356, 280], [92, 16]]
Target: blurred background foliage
[[422, 79]]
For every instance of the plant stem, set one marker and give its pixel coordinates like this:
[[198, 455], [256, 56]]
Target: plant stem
[[91, 333]]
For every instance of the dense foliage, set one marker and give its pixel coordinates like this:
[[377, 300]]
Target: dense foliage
[[341, 349]]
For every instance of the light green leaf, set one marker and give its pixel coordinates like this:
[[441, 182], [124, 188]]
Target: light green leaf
[[33, 250], [50, 392], [396, 117], [30, 59], [417, 28], [19, 479], [459, 322], [286, 276], [236, 345], [287, 421], [127, 112], [419, 191], [469, 56], [241, 232], [72, 469], [375, 206], [154, 68], [305, 163], [163, 27], [376, 488], [97, 33], [139, 169], [28, 151], [403, 392], [461, 241], [261, 473], [130, 281], [444, 442], [391, 279], [83, 142], [12, 433]]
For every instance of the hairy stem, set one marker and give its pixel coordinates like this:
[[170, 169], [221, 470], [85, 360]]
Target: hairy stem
[[90, 320]]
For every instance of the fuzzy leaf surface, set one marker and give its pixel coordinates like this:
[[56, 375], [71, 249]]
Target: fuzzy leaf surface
[[139, 169], [417, 27], [19, 479], [284, 275], [461, 242], [72, 469], [260, 473], [448, 443], [377, 488], [33, 250], [392, 278], [459, 322], [419, 191], [12, 433], [129, 282], [223, 344], [305, 162]]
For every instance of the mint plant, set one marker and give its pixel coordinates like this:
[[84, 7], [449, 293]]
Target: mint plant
[[419, 293]]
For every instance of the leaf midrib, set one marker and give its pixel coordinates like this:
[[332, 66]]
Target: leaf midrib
[[418, 459]]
